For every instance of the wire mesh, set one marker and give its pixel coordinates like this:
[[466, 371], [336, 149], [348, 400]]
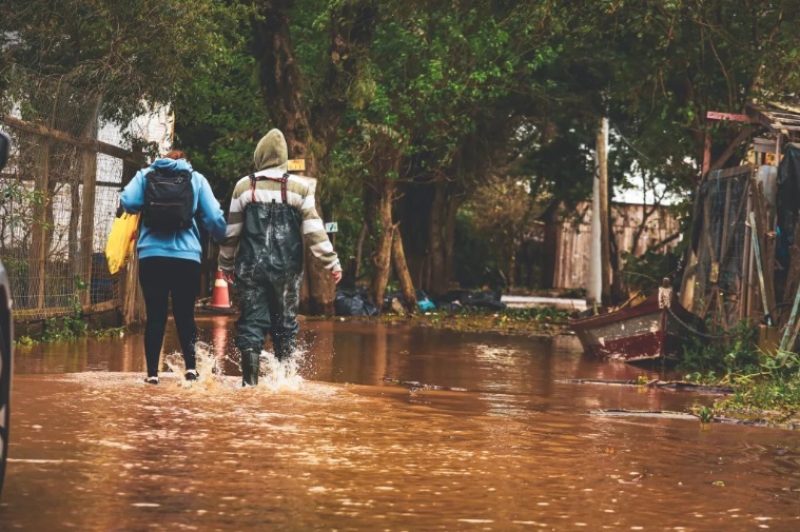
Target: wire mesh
[[51, 240]]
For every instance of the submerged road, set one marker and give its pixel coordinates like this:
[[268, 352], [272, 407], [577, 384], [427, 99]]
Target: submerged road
[[481, 435]]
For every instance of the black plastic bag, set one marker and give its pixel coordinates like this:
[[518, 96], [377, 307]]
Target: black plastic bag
[[353, 303]]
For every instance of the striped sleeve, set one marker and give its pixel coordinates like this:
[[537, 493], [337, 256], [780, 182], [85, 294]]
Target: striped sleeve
[[316, 237], [227, 249]]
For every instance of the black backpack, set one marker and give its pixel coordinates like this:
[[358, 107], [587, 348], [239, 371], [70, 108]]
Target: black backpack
[[168, 200]]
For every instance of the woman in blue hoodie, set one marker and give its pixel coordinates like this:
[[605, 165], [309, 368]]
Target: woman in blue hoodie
[[169, 260]]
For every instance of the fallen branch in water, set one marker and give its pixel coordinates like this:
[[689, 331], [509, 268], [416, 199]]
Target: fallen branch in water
[[664, 414], [687, 416], [416, 385], [678, 386]]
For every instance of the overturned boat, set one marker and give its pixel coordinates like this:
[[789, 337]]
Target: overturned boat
[[653, 329]]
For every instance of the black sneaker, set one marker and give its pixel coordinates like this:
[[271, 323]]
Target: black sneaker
[[191, 375], [151, 380]]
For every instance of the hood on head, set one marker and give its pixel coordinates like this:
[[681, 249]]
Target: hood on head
[[272, 152], [172, 165]]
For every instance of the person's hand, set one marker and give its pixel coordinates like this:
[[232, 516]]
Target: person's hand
[[228, 276], [337, 276]]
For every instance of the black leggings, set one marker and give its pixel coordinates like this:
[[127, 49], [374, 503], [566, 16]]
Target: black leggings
[[160, 277]]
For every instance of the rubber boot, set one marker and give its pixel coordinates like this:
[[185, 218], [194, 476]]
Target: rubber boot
[[277, 348], [289, 346], [284, 346], [250, 367]]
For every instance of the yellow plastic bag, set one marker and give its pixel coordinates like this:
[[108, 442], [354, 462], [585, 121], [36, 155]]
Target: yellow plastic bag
[[121, 241]]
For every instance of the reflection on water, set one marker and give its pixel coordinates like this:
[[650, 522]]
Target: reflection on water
[[501, 445]]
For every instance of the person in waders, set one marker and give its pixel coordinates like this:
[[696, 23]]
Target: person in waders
[[173, 198], [271, 211]]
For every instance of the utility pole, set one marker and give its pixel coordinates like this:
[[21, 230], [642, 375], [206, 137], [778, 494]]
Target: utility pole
[[605, 230], [599, 289]]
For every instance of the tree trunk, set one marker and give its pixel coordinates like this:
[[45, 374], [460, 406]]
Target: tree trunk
[[381, 259], [281, 82], [441, 231], [401, 270], [321, 290], [436, 241], [551, 227], [512, 266], [362, 237], [282, 87], [413, 212], [453, 204], [352, 29], [369, 198]]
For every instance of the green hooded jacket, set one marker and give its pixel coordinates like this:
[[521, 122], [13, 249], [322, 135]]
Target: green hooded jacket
[[271, 160]]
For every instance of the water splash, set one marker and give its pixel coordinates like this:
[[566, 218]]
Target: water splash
[[279, 376], [209, 367], [274, 375]]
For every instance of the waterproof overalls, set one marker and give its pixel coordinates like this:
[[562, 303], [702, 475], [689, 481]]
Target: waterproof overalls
[[269, 268]]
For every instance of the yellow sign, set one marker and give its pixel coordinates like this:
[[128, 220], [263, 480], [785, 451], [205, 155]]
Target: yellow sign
[[297, 165]]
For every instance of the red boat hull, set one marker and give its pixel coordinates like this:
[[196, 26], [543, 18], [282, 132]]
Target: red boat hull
[[640, 333]]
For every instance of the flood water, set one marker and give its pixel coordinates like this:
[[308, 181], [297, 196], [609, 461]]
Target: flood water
[[390, 428]]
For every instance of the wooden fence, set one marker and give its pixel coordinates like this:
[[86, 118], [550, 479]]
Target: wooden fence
[[636, 228], [60, 193]]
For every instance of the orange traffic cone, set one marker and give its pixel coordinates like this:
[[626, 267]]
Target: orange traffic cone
[[219, 296]]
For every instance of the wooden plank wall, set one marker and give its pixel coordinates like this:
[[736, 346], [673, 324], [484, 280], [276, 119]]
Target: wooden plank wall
[[574, 237]]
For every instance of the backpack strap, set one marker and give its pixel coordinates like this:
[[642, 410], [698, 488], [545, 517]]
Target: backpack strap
[[284, 193], [283, 180], [253, 181]]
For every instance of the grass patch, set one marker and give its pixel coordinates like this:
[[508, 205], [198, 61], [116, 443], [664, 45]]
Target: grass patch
[[766, 385], [68, 328], [533, 322], [770, 399]]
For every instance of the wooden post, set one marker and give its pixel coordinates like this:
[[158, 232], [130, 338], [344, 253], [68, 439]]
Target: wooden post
[[766, 245], [133, 300], [89, 182], [792, 277], [75, 248], [130, 299], [39, 230], [787, 342], [749, 280], [755, 231]]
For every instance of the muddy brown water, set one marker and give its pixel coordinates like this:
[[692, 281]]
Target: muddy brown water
[[502, 446]]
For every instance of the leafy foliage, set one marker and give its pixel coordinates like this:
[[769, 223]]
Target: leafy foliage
[[219, 111], [724, 359], [128, 53]]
